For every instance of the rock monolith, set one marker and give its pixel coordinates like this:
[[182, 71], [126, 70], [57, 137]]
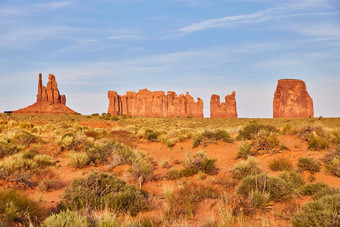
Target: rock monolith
[[225, 109], [146, 103], [291, 100], [49, 100]]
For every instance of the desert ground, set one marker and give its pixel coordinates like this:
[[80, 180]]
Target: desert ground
[[102, 170]]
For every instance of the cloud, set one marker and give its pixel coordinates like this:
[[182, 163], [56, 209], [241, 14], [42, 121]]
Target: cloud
[[293, 8]]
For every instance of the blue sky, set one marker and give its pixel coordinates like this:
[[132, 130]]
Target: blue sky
[[199, 46]]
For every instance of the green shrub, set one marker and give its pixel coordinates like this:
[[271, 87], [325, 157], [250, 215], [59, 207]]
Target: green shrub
[[79, 160], [73, 141], [211, 137], [322, 212], [332, 162], [245, 168], [266, 141], [16, 206], [66, 219], [316, 142], [49, 184], [260, 200], [250, 131], [280, 164], [276, 187], [193, 164], [293, 181], [245, 151], [312, 189], [309, 164], [182, 203], [326, 191], [104, 191], [141, 168]]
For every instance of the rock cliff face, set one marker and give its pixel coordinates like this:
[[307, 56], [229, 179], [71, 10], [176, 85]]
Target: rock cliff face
[[154, 104], [49, 100], [291, 100], [225, 109]]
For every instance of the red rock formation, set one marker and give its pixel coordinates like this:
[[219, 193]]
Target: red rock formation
[[226, 109], [154, 104], [49, 100], [291, 100]]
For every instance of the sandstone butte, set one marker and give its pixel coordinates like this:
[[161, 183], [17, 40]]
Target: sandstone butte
[[49, 100], [225, 109], [291, 100], [154, 104]]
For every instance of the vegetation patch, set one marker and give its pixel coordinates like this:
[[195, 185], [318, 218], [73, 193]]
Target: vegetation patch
[[245, 168], [251, 131], [15, 206], [309, 164], [66, 219], [280, 164], [322, 212], [101, 191], [211, 137]]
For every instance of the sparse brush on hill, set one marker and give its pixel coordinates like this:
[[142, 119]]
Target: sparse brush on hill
[[211, 137], [182, 203], [323, 212], [141, 167], [21, 168], [280, 164], [319, 189], [101, 191], [245, 168], [250, 131], [265, 141], [332, 162], [278, 188], [13, 140], [16, 206], [310, 164], [66, 219], [245, 150], [194, 163]]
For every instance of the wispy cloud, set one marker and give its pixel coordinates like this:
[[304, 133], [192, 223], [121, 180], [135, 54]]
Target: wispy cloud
[[293, 8]]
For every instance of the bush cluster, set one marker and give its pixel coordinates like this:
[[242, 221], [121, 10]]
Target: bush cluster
[[211, 137]]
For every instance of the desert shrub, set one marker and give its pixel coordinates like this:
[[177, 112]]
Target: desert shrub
[[99, 191], [250, 131], [322, 212], [266, 141], [66, 219], [326, 191], [309, 164], [312, 189], [141, 168], [276, 187], [49, 184], [79, 160], [16, 206], [332, 162], [260, 200], [280, 164], [19, 168], [245, 151], [73, 141], [182, 203], [316, 142], [293, 181], [150, 135], [193, 164], [245, 168], [211, 137], [109, 151], [306, 131], [13, 141]]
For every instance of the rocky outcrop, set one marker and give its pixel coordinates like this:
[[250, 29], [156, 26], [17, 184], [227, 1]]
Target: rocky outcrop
[[49, 100], [291, 100], [154, 104], [225, 109]]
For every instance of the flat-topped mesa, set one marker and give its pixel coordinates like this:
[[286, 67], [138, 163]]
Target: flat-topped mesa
[[49, 100], [225, 109], [291, 100], [147, 103]]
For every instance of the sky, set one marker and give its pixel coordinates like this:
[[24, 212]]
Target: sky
[[200, 46]]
